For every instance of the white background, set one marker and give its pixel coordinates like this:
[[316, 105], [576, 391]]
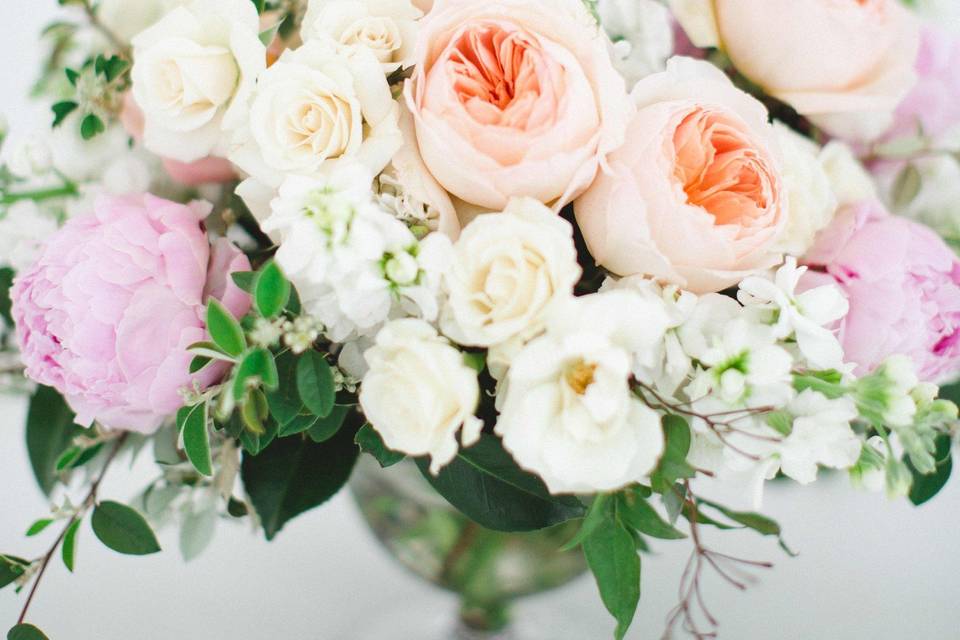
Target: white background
[[868, 569]]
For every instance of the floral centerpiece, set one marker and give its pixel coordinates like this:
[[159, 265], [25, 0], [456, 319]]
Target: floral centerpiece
[[581, 262]]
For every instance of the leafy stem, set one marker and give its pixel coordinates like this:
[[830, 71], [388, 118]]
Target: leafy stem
[[66, 190], [78, 515], [107, 32]]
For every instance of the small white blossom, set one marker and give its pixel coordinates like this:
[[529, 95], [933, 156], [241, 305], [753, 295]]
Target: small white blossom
[[642, 34], [821, 436]]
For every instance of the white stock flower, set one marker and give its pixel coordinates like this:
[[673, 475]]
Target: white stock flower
[[569, 414], [821, 436], [192, 72], [811, 201], [353, 264], [804, 315], [642, 34], [313, 109], [509, 270], [24, 228], [387, 28], [31, 156], [418, 392]]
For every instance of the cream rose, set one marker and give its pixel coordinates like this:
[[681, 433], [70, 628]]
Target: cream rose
[[192, 72], [314, 109], [418, 393], [126, 19], [388, 28], [846, 63], [695, 196], [515, 98], [510, 269]]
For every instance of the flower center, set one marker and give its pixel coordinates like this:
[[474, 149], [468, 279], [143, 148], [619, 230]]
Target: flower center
[[580, 376]]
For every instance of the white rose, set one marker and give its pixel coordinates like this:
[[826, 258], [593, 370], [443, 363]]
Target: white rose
[[569, 414], [642, 33], [419, 393], [388, 28], [849, 179], [127, 18], [510, 269], [314, 109], [811, 201], [191, 74]]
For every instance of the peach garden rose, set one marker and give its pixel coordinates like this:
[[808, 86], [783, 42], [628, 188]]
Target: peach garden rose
[[695, 196], [515, 98]]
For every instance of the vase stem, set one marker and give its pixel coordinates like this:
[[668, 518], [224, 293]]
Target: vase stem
[[483, 622]]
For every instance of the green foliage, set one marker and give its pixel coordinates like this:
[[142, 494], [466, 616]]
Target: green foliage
[[224, 329], [91, 125], [599, 511], [315, 383], [926, 486], [38, 527], [257, 368], [323, 429], [640, 515], [673, 464], [294, 475], [26, 632], [77, 456], [485, 483], [829, 383], [370, 442], [906, 186], [761, 524], [68, 551], [6, 281], [61, 110], [245, 280], [272, 290], [110, 68], [50, 432], [193, 425], [11, 568], [611, 552], [123, 529], [284, 402]]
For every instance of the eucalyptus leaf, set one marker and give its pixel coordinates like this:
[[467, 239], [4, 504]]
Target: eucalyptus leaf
[[197, 531], [122, 529], [26, 632]]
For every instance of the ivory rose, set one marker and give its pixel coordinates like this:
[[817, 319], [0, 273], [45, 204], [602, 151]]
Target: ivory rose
[[192, 72], [387, 28], [515, 98], [313, 110], [695, 196], [106, 314], [847, 63]]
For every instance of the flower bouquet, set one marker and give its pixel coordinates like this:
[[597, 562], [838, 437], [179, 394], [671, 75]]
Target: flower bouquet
[[575, 264]]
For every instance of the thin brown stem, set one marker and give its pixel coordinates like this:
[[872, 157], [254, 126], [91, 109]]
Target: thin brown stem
[[81, 511]]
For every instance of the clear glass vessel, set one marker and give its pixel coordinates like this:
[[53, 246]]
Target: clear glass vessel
[[487, 569]]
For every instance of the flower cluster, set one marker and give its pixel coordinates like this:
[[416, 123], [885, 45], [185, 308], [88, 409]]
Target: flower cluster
[[595, 251]]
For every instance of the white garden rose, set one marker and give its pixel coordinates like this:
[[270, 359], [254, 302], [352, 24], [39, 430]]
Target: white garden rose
[[811, 203], [418, 393], [569, 414], [192, 72], [387, 28], [127, 18], [510, 269], [314, 109]]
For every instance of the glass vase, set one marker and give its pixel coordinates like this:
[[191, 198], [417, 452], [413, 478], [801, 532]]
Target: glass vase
[[488, 570]]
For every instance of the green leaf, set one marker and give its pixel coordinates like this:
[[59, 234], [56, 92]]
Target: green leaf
[[284, 402], [315, 383], [6, 281], [113, 67], [69, 549], [760, 523], [72, 76], [781, 422], [323, 429], [192, 422], [75, 457], [294, 475], [198, 363], [370, 442], [485, 483], [925, 487], [272, 290], [61, 110], [38, 527], [612, 555], [640, 514], [90, 126], [26, 632], [50, 432], [245, 280], [11, 568], [297, 426], [906, 187], [600, 510], [673, 464], [476, 361], [259, 5], [257, 368], [267, 35], [224, 329], [124, 530]]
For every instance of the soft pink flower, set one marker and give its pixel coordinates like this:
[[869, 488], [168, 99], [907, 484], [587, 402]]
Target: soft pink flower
[[695, 195], [106, 313], [903, 284], [515, 98], [210, 170], [934, 103]]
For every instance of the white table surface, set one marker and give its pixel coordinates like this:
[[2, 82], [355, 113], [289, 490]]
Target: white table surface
[[868, 569]]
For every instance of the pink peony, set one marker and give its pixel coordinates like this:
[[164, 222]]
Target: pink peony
[[934, 103], [903, 284], [106, 313]]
